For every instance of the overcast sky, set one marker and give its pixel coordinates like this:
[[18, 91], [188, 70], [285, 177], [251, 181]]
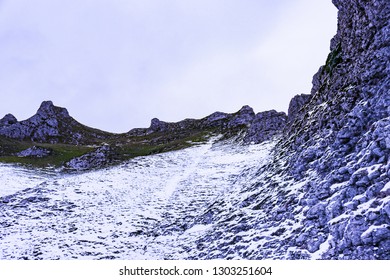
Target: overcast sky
[[115, 64]]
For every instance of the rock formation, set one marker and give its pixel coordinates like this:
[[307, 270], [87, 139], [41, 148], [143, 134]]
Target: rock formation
[[95, 159], [35, 151], [51, 124]]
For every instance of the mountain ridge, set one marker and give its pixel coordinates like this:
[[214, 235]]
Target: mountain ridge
[[53, 125]]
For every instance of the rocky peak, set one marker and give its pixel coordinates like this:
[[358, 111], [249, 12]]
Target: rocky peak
[[157, 125], [51, 124], [243, 117], [47, 110], [8, 119], [46, 106]]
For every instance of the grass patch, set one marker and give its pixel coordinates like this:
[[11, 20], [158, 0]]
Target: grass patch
[[159, 143], [124, 147], [61, 153]]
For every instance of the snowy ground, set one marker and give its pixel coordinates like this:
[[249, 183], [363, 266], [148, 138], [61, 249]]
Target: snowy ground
[[147, 208]]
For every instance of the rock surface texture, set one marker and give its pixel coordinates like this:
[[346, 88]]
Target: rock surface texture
[[256, 127]]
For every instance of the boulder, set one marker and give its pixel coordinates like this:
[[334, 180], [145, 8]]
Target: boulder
[[35, 151], [98, 158]]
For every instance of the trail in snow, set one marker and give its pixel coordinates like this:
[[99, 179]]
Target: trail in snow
[[147, 208]]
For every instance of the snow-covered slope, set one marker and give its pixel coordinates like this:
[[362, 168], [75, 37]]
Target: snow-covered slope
[[148, 208]]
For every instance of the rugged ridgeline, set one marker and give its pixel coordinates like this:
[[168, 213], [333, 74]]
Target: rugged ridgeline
[[53, 137], [326, 193], [51, 124]]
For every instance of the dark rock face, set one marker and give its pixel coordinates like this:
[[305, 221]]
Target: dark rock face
[[296, 105], [51, 124], [341, 135], [265, 125], [244, 117]]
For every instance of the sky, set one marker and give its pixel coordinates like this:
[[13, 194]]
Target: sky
[[116, 64]]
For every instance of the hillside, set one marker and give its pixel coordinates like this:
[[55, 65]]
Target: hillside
[[313, 184], [53, 138]]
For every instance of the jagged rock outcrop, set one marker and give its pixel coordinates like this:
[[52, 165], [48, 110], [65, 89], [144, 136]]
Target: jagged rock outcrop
[[51, 124], [265, 125], [344, 132], [242, 118], [98, 158], [8, 119], [296, 105], [342, 138]]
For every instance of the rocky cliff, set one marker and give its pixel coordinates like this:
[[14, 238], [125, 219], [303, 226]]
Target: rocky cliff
[[327, 188]]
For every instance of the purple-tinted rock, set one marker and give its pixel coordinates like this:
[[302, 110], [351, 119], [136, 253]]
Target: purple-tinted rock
[[243, 117], [265, 125], [8, 119], [296, 104], [35, 151]]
